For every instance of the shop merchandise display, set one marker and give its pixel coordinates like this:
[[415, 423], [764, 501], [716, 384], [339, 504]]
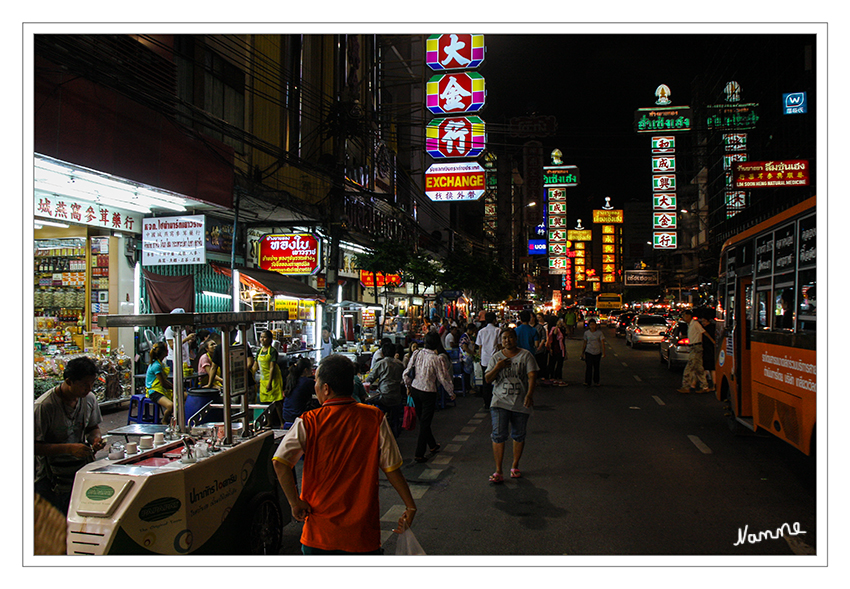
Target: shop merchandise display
[[114, 381]]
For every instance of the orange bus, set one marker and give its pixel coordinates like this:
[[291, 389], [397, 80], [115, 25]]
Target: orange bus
[[766, 318]]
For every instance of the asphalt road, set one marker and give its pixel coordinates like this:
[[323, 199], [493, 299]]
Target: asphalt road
[[629, 468]]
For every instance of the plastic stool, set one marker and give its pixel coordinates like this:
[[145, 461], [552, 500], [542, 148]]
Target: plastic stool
[[146, 410]]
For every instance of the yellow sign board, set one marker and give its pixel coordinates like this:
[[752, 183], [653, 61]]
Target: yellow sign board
[[603, 216]]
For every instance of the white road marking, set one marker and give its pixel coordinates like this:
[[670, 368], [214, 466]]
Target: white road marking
[[452, 448], [474, 421], [700, 444], [393, 513], [658, 399], [623, 363], [430, 473], [460, 438], [467, 430], [441, 459], [418, 491], [637, 378], [481, 415], [386, 535]]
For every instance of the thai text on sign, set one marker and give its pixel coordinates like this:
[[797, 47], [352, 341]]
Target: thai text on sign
[[168, 241], [770, 174], [291, 253]]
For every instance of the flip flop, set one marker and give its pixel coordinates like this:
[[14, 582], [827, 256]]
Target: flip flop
[[515, 473], [497, 477]]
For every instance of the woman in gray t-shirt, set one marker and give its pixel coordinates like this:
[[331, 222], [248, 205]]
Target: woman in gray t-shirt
[[512, 372]]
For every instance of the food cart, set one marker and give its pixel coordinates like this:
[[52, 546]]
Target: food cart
[[204, 489]]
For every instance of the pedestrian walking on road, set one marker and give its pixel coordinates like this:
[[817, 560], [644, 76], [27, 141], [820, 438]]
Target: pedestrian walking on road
[[694, 375], [557, 352], [487, 342], [592, 352], [427, 369], [512, 371], [570, 320], [541, 355], [344, 443]]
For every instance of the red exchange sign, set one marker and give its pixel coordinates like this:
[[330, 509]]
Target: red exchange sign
[[291, 253]]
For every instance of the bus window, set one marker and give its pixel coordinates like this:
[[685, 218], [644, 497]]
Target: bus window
[[783, 298], [748, 300], [808, 302], [763, 306]]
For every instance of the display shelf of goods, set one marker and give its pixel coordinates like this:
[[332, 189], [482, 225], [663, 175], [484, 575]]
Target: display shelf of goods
[[114, 382]]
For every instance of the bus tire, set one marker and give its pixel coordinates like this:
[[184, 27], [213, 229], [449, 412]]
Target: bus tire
[[265, 524]]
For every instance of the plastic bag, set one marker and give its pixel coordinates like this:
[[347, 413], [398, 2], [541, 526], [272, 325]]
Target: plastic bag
[[408, 422], [408, 545]]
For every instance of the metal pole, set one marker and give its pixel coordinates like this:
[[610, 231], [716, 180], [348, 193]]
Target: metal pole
[[179, 406], [245, 394], [225, 376]]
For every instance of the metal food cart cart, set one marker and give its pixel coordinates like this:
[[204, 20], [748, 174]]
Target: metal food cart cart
[[182, 496]]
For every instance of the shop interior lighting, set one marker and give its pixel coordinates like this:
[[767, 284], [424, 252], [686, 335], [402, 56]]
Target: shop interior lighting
[[216, 294], [60, 179]]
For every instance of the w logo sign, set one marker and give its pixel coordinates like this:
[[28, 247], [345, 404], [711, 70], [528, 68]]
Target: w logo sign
[[794, 103]]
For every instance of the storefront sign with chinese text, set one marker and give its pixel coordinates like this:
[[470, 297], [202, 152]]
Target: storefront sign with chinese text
[[664, 240], [664, 144], [455, 93], [170, 241], [450, 137], [771, 174], [452, 182], [454, 51], [290, 253], [70, 210], [663, 220]]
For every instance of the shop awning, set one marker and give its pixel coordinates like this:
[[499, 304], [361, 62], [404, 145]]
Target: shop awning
[[273, 283]]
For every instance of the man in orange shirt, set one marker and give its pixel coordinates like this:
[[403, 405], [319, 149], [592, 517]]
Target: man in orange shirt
[[344, 443]]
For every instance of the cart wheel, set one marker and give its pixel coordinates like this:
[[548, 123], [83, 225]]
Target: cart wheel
[[266, 524]]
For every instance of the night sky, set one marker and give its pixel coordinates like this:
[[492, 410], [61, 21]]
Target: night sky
[[593, 84]]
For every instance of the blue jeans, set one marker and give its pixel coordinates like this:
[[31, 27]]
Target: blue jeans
[[501, 418]]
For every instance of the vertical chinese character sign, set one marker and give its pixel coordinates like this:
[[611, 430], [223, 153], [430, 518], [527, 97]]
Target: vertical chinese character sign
[[734, 150], [455, 94], [663, 159]]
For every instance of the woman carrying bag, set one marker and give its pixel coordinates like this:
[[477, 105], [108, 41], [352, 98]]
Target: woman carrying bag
[[425, 370]]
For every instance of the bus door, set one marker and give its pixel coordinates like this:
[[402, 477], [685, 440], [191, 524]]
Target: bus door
[[742, 402]]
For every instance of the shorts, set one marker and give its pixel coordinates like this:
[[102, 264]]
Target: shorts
[[501, 418], [155, 396]]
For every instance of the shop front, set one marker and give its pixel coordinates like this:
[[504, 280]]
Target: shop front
[[87, 228], [264, 290]]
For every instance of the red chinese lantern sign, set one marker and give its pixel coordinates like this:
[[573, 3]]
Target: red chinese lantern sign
[[367, 279], [291, 253]]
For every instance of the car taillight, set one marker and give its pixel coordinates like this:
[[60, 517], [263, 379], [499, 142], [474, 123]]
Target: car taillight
[[637, 329], [683, 342]]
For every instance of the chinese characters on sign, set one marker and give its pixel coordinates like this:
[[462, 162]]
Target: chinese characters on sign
[[455, 93], [70, 210], [453, 182], [454, 51], [296, 253], [454, 137], [169, 241], [770, 174]]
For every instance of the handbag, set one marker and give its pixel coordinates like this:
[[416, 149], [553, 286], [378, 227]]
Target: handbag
[[408, 422]]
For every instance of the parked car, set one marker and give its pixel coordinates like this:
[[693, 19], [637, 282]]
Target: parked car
[[646, 329], [675, 349], [623, 321]]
